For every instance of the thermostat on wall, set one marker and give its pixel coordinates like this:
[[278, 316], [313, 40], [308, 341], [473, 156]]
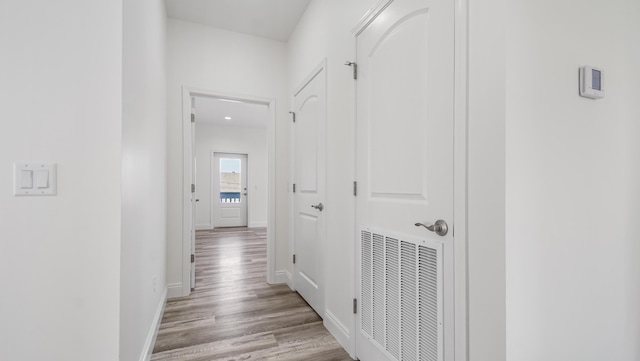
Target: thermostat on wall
[[591, 82]]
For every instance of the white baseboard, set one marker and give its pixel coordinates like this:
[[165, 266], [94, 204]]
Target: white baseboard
[[174, 290], [258, 225], [147, 350], [339, 331], [202, 227], [283, 276]]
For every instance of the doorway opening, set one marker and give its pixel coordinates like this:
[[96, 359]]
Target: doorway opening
[[221, 133]]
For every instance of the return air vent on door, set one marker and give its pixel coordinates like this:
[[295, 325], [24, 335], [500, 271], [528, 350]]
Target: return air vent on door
[[401, 295]]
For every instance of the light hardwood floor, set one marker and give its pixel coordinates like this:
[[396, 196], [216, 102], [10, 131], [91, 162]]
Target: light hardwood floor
[[235, 315]]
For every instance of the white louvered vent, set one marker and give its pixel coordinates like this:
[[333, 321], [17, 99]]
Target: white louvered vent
[[367, 280], [392, 248], [428, 303], [378, 289], [409, 301], [401, 296]]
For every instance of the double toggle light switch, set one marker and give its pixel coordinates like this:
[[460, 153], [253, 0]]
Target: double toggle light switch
[[34, 179]]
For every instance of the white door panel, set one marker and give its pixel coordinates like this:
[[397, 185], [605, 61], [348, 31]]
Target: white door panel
[[230, 213], [405, 91], [308, 269], [306, 132], [309, 179]]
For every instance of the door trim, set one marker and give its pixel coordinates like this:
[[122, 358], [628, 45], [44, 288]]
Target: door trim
[[460, 179], [187, 93], [460, 171]]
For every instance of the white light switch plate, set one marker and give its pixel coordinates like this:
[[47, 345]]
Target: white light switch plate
[[41, 179]]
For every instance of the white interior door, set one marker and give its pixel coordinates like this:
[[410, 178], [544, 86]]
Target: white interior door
[[405, 89], [309, 178], [229, 184]]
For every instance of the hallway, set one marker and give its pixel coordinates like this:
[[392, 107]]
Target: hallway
[[235, 315]]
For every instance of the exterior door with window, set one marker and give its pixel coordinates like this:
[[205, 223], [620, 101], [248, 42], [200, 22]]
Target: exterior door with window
[[229, 180], [405, 93]]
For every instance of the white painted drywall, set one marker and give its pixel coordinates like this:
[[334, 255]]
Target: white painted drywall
[[228, 139], [61, 101], [573, 170], [486, 181], [143, 249], [217, 60], [325, 32]]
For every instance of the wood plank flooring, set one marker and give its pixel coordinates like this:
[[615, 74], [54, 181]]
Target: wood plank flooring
[[235, 315]]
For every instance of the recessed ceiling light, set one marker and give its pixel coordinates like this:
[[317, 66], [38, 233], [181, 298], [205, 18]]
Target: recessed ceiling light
[[227, 118]]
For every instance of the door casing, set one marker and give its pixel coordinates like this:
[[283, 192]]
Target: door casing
[[187, 93]]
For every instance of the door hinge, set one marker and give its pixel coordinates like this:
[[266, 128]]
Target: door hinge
[[293, 115], [355, 305], [193, 258], [294, 187], [355, 68], [193, 118], [355, 188], [294, 259], [193, 188]]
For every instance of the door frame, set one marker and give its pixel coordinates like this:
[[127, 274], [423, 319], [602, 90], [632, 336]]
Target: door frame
[[460, 171], [212, 153], [187, 141]]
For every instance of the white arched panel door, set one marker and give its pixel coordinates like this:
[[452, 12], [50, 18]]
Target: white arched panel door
[[405, 89], [309, 178]]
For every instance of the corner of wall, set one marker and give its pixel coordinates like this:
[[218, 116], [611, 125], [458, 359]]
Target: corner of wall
[[340, 332], [174, 290], [147, 350], [284, 276], [203, 227]]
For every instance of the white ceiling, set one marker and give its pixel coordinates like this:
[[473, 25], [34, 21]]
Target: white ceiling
[[213, 111], [272, 19]]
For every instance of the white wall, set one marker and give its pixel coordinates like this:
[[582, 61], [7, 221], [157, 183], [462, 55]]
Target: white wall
[[222, 61], [325, 32], [143, 249], [61, 101], [251, 141], [486, 181], [573, 201]]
